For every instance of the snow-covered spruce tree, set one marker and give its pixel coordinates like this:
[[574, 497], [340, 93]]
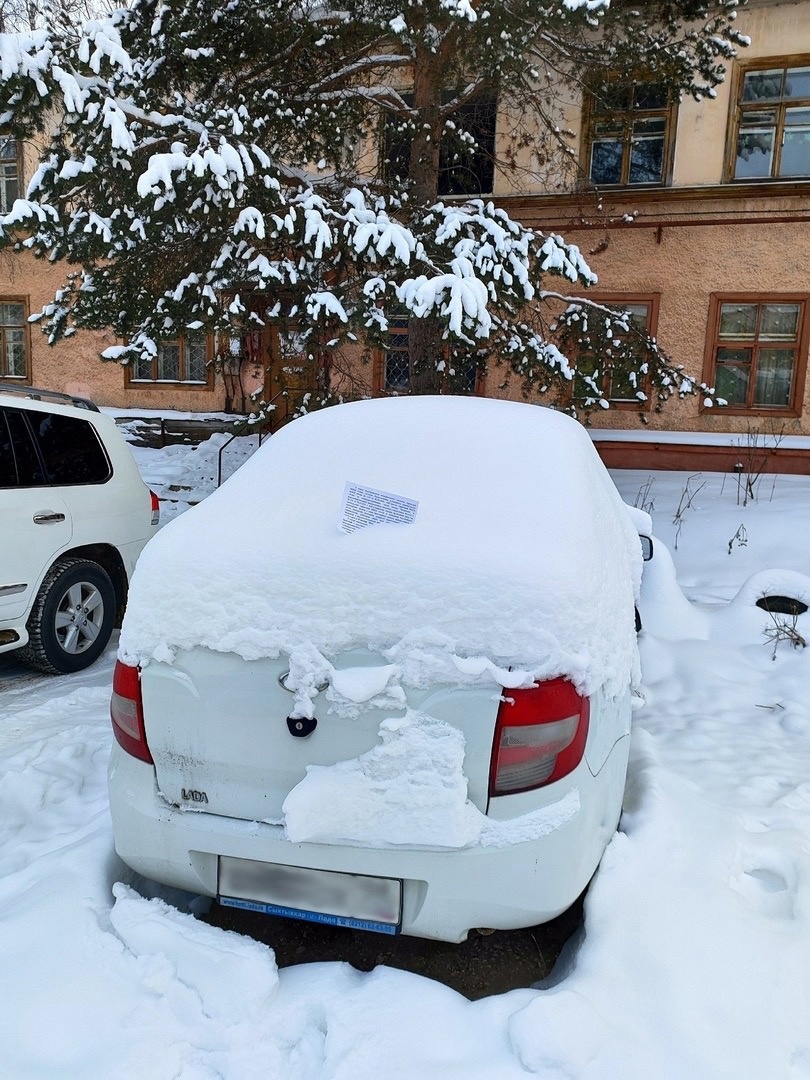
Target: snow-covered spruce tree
[[200, 167], [23, 15]]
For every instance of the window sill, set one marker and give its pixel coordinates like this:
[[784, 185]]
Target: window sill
[[621, 404], [589, 187], [749, 181], [785, 412], [139, 384], [729, 190]]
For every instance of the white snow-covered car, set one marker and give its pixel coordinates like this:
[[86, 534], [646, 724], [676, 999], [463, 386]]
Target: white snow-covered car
[[382, 677], [773, 605], [74, 516]]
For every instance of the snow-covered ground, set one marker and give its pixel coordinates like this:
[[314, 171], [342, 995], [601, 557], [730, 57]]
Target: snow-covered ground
[[694, 961], [182, 476]]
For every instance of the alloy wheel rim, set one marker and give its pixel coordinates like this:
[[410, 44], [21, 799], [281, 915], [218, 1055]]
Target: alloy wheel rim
[[79, 616]]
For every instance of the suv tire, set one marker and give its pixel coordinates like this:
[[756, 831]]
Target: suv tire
[[72, 618]]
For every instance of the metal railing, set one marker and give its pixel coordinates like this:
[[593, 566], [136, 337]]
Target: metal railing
[[278, 419]]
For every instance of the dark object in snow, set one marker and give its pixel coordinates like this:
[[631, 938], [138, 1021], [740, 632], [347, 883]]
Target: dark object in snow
[[782, 605]]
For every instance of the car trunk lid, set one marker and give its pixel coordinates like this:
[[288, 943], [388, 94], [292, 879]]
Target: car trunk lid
[[226, 737]]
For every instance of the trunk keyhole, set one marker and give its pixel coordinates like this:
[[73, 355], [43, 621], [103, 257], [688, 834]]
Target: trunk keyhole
[[301, 726]]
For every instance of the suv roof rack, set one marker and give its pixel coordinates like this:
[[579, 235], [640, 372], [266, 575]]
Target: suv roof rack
[[48, 395]]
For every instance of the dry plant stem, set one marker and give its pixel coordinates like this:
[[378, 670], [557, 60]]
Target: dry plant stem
[[643, 500], [784, 629], [756, 460], [687, 495], [740, 537]]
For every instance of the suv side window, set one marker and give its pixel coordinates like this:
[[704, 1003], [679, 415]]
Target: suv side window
[[29, 468], [70, 449], [8, 469]]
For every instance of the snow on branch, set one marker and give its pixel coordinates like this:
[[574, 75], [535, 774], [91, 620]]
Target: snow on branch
[[27, 56], [206, 166]]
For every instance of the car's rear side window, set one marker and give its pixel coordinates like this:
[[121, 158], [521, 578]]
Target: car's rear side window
[[29, 467], [8, 469], [70, 448]]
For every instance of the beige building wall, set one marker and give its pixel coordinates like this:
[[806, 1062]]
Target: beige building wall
[[684, 265], [682, 242], [775, 30], [74, 366], [697, 236]]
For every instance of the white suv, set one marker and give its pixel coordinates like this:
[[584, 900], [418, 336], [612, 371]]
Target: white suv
[[74, 516]]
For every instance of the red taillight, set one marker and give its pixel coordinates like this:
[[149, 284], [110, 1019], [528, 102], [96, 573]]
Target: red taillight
[[126, 711], [155, 508], [540, 736]]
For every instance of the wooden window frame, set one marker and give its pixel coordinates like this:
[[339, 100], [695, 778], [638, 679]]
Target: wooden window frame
[[5, 204], [390, 148], [22, 380], [794, 406], [381, 387], [379, 364], [619, 301], [739, 108], [591, 115], [133, 383]]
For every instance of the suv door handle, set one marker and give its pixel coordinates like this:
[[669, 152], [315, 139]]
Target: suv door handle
[[47, 517]]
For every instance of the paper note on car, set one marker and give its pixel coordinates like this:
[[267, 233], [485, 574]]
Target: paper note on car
[[364, 506]]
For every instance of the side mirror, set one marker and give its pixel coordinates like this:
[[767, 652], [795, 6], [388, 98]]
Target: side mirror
[[646, 548], [782, 605]]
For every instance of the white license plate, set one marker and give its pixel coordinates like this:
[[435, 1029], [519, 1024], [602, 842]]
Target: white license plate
[[322, 896]]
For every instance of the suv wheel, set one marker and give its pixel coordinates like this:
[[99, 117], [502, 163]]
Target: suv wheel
[[72, 618]]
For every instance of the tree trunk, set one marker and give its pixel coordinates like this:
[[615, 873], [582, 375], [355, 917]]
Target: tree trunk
[[425, 345]]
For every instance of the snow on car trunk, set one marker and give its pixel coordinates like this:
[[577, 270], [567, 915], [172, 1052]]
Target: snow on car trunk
[[519, 552]]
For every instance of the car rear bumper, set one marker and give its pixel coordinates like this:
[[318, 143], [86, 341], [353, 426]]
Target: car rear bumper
[[445, 893]]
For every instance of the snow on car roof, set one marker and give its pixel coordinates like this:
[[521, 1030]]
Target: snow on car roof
[[509, 547]]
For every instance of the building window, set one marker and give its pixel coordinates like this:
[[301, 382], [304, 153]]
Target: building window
[[9, 172], [629, 137], [757, 351], [772, 137], [394, 377], [183, 360], [603, 353], [13, 340], [464, 169], [396, 373]]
